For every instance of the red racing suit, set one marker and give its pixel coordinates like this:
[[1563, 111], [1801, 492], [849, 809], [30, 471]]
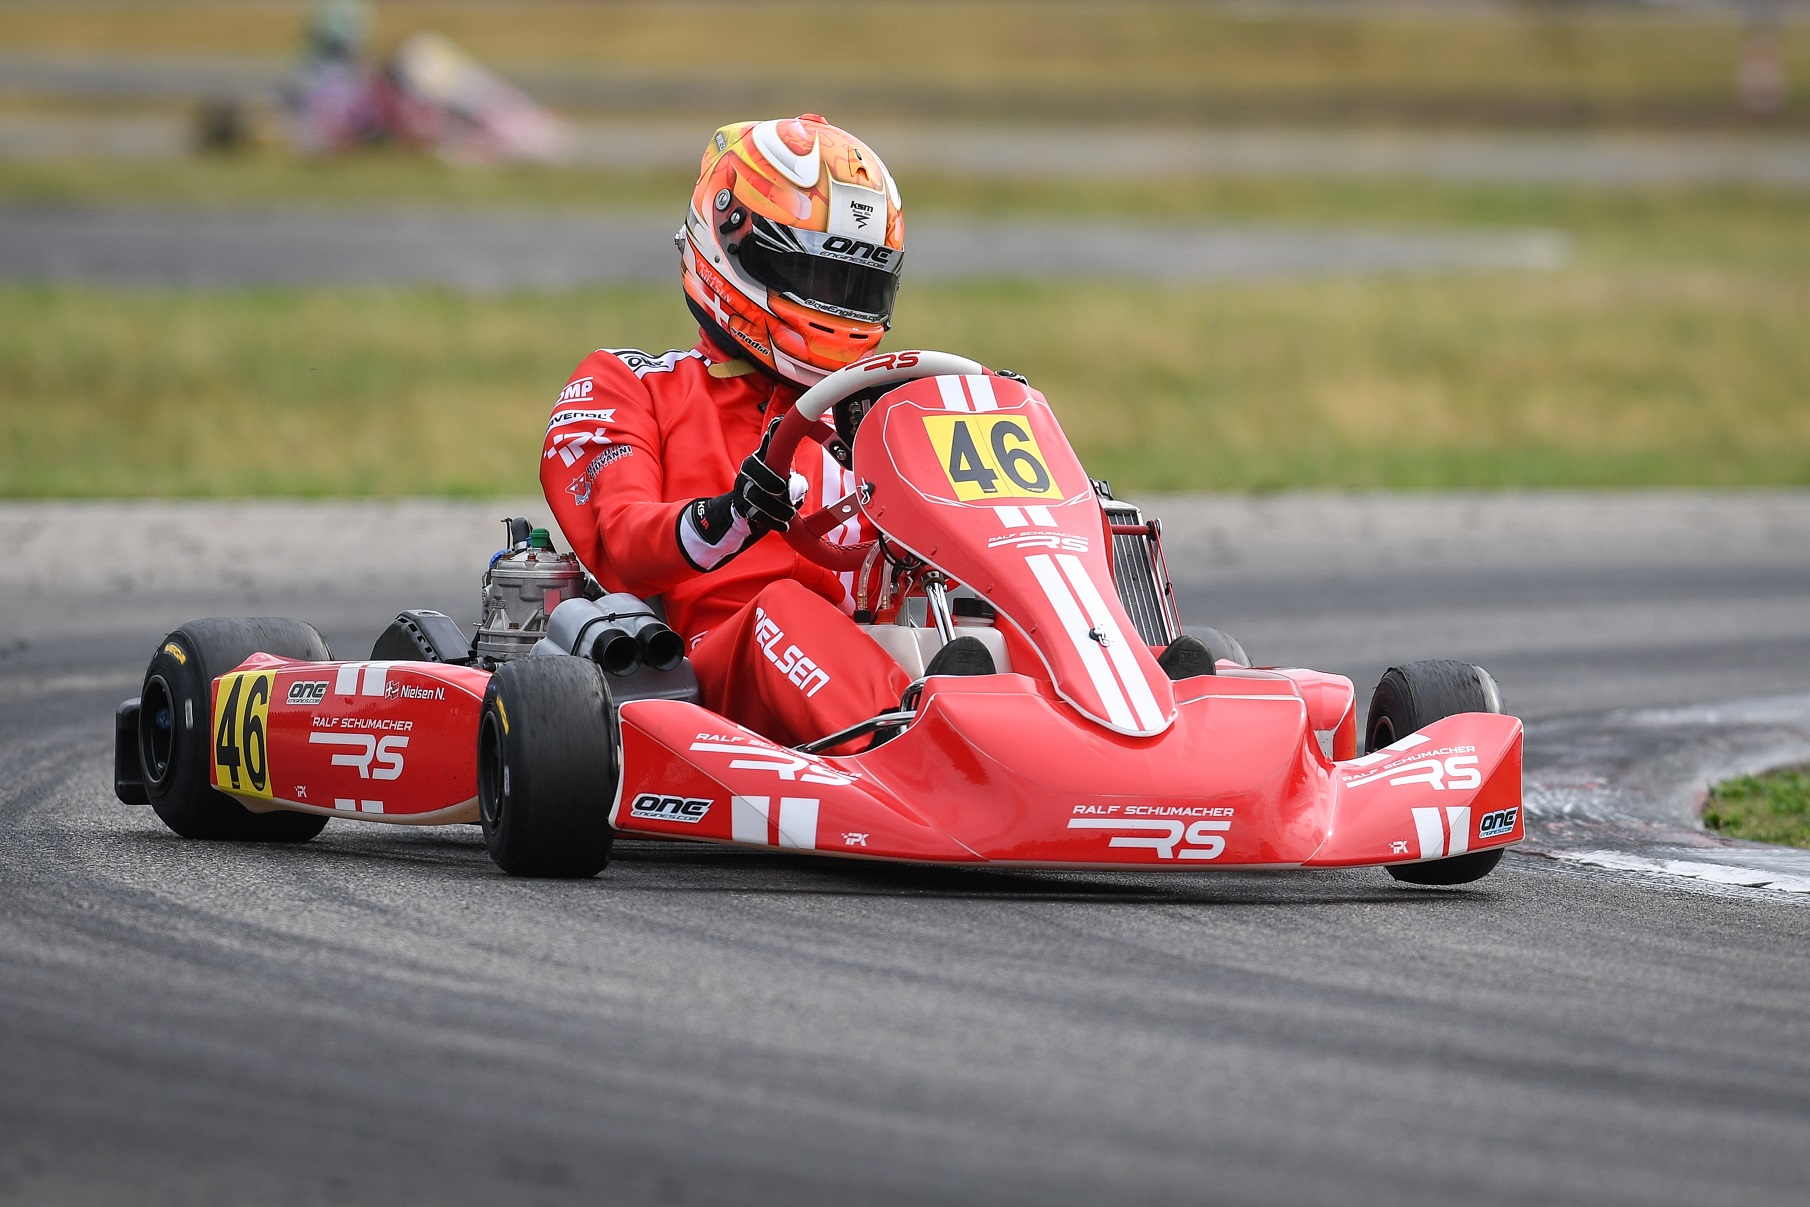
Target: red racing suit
[[633, 439]]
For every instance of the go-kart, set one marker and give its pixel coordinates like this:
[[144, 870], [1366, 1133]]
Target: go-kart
[[572, 720]]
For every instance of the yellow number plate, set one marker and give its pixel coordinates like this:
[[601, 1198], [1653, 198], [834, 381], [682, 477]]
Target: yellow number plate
[[241, 733], [991, 457]]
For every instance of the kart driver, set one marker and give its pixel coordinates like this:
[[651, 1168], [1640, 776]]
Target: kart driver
[[790, 256]]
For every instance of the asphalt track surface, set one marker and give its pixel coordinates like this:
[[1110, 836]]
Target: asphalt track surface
[[380, 1016], [490, 252], [934, 141]]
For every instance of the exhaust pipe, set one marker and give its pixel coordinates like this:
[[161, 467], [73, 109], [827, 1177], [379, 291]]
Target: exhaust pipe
[[618, 632]]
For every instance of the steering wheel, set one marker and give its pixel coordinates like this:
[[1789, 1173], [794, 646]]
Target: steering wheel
[[891, 368]]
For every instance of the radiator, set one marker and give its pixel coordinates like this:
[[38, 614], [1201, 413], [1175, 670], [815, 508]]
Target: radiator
[[1140, 573]]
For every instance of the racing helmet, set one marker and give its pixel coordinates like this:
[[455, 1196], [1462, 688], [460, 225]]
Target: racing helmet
[[792, 246]]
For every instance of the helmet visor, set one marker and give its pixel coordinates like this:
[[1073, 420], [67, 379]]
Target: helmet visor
[[833, 273]]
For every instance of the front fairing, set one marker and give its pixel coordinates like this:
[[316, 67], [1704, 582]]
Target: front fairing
[[974, 475]]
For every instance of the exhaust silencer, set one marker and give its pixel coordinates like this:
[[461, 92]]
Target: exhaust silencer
[[618, 632]]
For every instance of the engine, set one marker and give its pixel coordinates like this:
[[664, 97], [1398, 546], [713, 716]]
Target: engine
[[522, 587]]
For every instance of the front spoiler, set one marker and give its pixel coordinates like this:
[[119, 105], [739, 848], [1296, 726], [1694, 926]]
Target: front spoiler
[[995, 770]]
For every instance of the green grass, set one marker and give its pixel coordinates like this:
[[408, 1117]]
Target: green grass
[[1763, 808], [1578, 379], [1512, 63], [1671, 352]]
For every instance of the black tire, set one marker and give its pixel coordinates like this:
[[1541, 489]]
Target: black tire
[[1223, 646], [175, 731], [1411, 697], [547, 767], [1460, 869]]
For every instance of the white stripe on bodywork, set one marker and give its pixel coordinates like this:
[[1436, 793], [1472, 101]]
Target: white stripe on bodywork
[[1118, 650], [345, 683], [1040, 516], [950, 390], [980, 389], [1430, 833], [1011, 517], [377, 677], [1068, 613], [798, 822], [1458, 818], [1393, 748], [1169, 833], [748, 819]]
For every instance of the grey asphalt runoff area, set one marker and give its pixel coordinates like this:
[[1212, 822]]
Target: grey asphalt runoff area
[[927, 143], [382, 1017], [490, 252]]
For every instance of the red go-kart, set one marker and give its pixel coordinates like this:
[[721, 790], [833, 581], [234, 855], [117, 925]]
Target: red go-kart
[[572, 720]]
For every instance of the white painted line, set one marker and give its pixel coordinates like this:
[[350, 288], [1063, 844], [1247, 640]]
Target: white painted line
[[1011, 517], [1688, 869], [1041, 517], [345, 683]]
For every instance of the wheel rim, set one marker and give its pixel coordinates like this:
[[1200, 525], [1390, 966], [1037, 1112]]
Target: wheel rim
[[157, 730], [493, 781]]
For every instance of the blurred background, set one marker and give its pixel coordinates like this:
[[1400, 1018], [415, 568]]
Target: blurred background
[[355, 249]]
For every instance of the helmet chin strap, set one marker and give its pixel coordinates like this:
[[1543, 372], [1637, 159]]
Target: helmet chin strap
[[725, 343], [731, 348]]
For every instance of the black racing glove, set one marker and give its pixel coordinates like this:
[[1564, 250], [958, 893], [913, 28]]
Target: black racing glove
[[714, 530]]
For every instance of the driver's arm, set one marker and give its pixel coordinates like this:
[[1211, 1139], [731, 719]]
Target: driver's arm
[[600, 472]]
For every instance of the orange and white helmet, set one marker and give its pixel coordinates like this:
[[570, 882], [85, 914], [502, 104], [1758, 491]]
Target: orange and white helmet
[[793, 245]]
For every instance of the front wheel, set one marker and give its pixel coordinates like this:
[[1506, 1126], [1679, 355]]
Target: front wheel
[[1411, 697], [1222, 645], [547, 767], [1460, 869]]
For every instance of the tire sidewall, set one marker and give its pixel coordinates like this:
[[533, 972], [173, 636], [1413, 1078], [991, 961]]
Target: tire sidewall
[[1410, 697], [497, 778], [186, 800], [543, 762], [187, 780]]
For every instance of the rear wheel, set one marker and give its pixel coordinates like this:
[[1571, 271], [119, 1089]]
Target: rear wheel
[[547, 767], [175, 731], [1223, 646], [1410, 697]]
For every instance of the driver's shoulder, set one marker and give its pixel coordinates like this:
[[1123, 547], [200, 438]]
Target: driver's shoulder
[[642, 364]]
